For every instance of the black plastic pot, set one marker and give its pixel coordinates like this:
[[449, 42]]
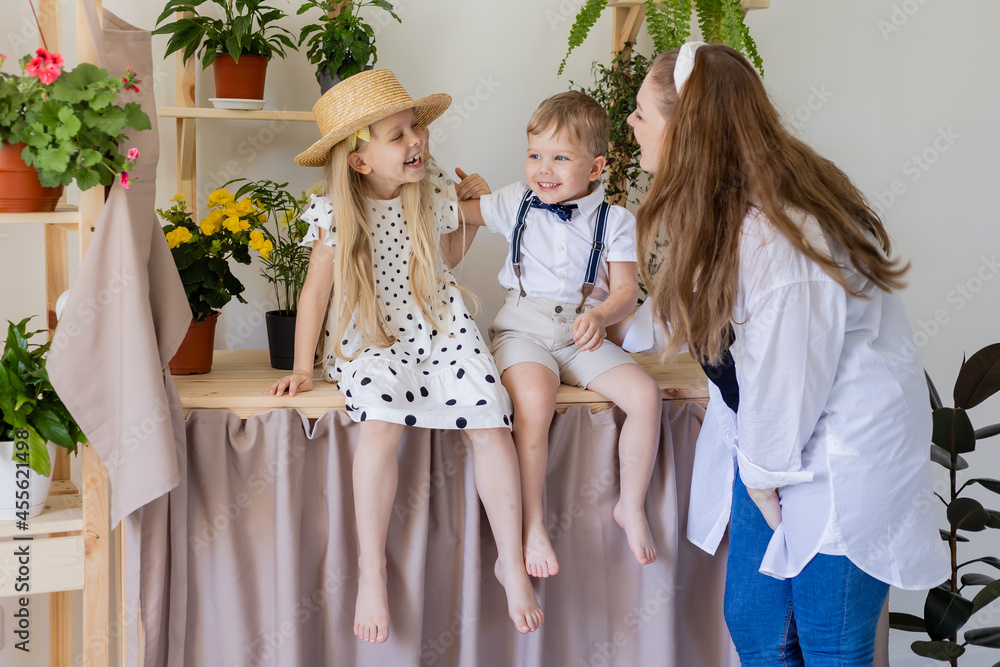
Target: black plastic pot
[[326, 82], [281, 338]]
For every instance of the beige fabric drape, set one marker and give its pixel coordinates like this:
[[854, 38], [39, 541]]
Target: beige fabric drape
[[254, 561]]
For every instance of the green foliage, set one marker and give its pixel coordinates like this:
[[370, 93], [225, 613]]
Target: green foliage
[[246, 28], [29, 406], [202, 250], [585, 20], [72, 127], [669, 24], [344, 44], [286, 261], [946, 610]]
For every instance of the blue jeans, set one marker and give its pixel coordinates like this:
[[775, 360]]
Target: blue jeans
[[824, 617]]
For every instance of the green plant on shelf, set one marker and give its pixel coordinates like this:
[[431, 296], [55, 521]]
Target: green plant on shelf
[[342, 43], [28, 402], [247, 27]]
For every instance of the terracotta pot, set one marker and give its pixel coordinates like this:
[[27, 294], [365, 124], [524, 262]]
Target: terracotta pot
[[241, 80], [20, 189], [194, 356]]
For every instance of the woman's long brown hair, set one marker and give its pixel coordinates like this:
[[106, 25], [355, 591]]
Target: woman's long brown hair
[[724, 151]]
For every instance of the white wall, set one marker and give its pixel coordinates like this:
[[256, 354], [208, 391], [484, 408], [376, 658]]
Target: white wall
[[872, 84]]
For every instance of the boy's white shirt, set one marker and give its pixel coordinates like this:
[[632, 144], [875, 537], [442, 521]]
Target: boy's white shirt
[[554, 253]]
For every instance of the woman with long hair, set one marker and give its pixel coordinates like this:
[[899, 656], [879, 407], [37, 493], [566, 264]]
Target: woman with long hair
[[821, 469]]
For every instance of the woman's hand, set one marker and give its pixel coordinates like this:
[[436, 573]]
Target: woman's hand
[[297, 381], [589, 330], [769, 503], [472, 186]]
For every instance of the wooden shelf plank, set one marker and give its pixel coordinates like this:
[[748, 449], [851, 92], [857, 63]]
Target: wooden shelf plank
[[56, 564], [63, 513], [747, 4], [65, 214], [234, 114], [240, 380]]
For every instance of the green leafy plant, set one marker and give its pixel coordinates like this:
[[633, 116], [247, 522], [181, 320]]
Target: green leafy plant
[[69, 121], [284, 260], [669, 24], [29, 404], [247, 28], [342, 43], [946, 609], [202, 250]]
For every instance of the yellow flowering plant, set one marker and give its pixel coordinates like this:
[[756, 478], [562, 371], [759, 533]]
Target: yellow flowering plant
[[284, 261], [202, 250]]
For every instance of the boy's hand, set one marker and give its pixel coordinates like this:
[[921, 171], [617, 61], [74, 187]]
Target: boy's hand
[[471, 186], [297, 381], [589, 330]]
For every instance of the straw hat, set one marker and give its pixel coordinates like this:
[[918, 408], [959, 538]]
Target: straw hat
[[357, 102]]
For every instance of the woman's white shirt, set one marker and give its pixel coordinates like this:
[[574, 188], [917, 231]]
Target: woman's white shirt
[[834, 412]]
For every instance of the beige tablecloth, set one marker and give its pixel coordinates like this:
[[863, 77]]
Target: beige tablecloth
[[251, 560]]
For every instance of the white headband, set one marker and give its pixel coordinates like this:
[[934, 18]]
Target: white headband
[[685, 63]]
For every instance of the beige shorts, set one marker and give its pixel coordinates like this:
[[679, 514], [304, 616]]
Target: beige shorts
[[531, 329]]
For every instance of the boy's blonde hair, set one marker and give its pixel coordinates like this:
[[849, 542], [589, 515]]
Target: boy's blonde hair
[[578, 113]]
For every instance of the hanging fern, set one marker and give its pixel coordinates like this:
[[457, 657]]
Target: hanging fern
[[669, 24], [736, 34], [710, 19], [585, 20]]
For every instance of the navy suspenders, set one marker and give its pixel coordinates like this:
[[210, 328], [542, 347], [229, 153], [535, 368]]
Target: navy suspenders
[[593, 262]]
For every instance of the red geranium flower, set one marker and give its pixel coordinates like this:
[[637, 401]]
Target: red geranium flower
[[46, 66]]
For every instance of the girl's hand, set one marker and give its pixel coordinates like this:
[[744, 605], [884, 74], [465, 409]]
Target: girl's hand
[[769, 504], [589, 330], [297, 381], [471, 186]]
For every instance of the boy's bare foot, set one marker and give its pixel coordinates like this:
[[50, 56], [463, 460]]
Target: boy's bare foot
[[640, 540], [522, 605], [371, 612], [539, 557]]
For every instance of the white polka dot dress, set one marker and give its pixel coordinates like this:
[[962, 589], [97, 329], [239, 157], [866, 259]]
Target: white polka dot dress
[[426, 378]]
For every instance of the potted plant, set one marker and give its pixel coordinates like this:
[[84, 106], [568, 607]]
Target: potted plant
[[238, 46], [58, 126], [33, 421], [342, 43], [202, 252], [284, 262], [947, 607]]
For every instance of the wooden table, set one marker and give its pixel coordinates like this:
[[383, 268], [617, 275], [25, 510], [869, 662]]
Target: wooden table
[[240, 380]]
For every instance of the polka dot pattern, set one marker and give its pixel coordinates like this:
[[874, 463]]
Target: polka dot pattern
[[429, 377]]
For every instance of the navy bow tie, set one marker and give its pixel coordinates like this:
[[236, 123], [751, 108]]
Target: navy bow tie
[[564, 211]]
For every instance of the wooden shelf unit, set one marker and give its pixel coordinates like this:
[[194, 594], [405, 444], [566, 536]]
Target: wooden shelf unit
[[57, 544], [233, 114], [66, 216]]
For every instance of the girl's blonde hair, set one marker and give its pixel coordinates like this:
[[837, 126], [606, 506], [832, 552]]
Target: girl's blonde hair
[[354, 286], [724, 150]]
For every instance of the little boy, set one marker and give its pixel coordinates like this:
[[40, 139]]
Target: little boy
[[570, 272]]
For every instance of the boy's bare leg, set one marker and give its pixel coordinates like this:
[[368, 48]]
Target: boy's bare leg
[[495, 465], [639, 397], [533, 389], [376, 474]]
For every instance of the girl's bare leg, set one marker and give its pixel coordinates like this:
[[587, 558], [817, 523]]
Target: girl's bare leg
[[639, 397], [376, 474], [533, 389], [495, 464]]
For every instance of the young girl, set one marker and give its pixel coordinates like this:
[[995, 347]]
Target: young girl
[[399, 340], [772, 251]]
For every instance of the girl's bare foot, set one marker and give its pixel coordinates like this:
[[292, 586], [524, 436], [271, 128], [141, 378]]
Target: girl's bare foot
[[539, 557], [371, 612], [640, 540], [522, 605]]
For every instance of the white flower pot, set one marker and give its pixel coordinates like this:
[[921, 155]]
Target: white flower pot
[[12, 484]]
